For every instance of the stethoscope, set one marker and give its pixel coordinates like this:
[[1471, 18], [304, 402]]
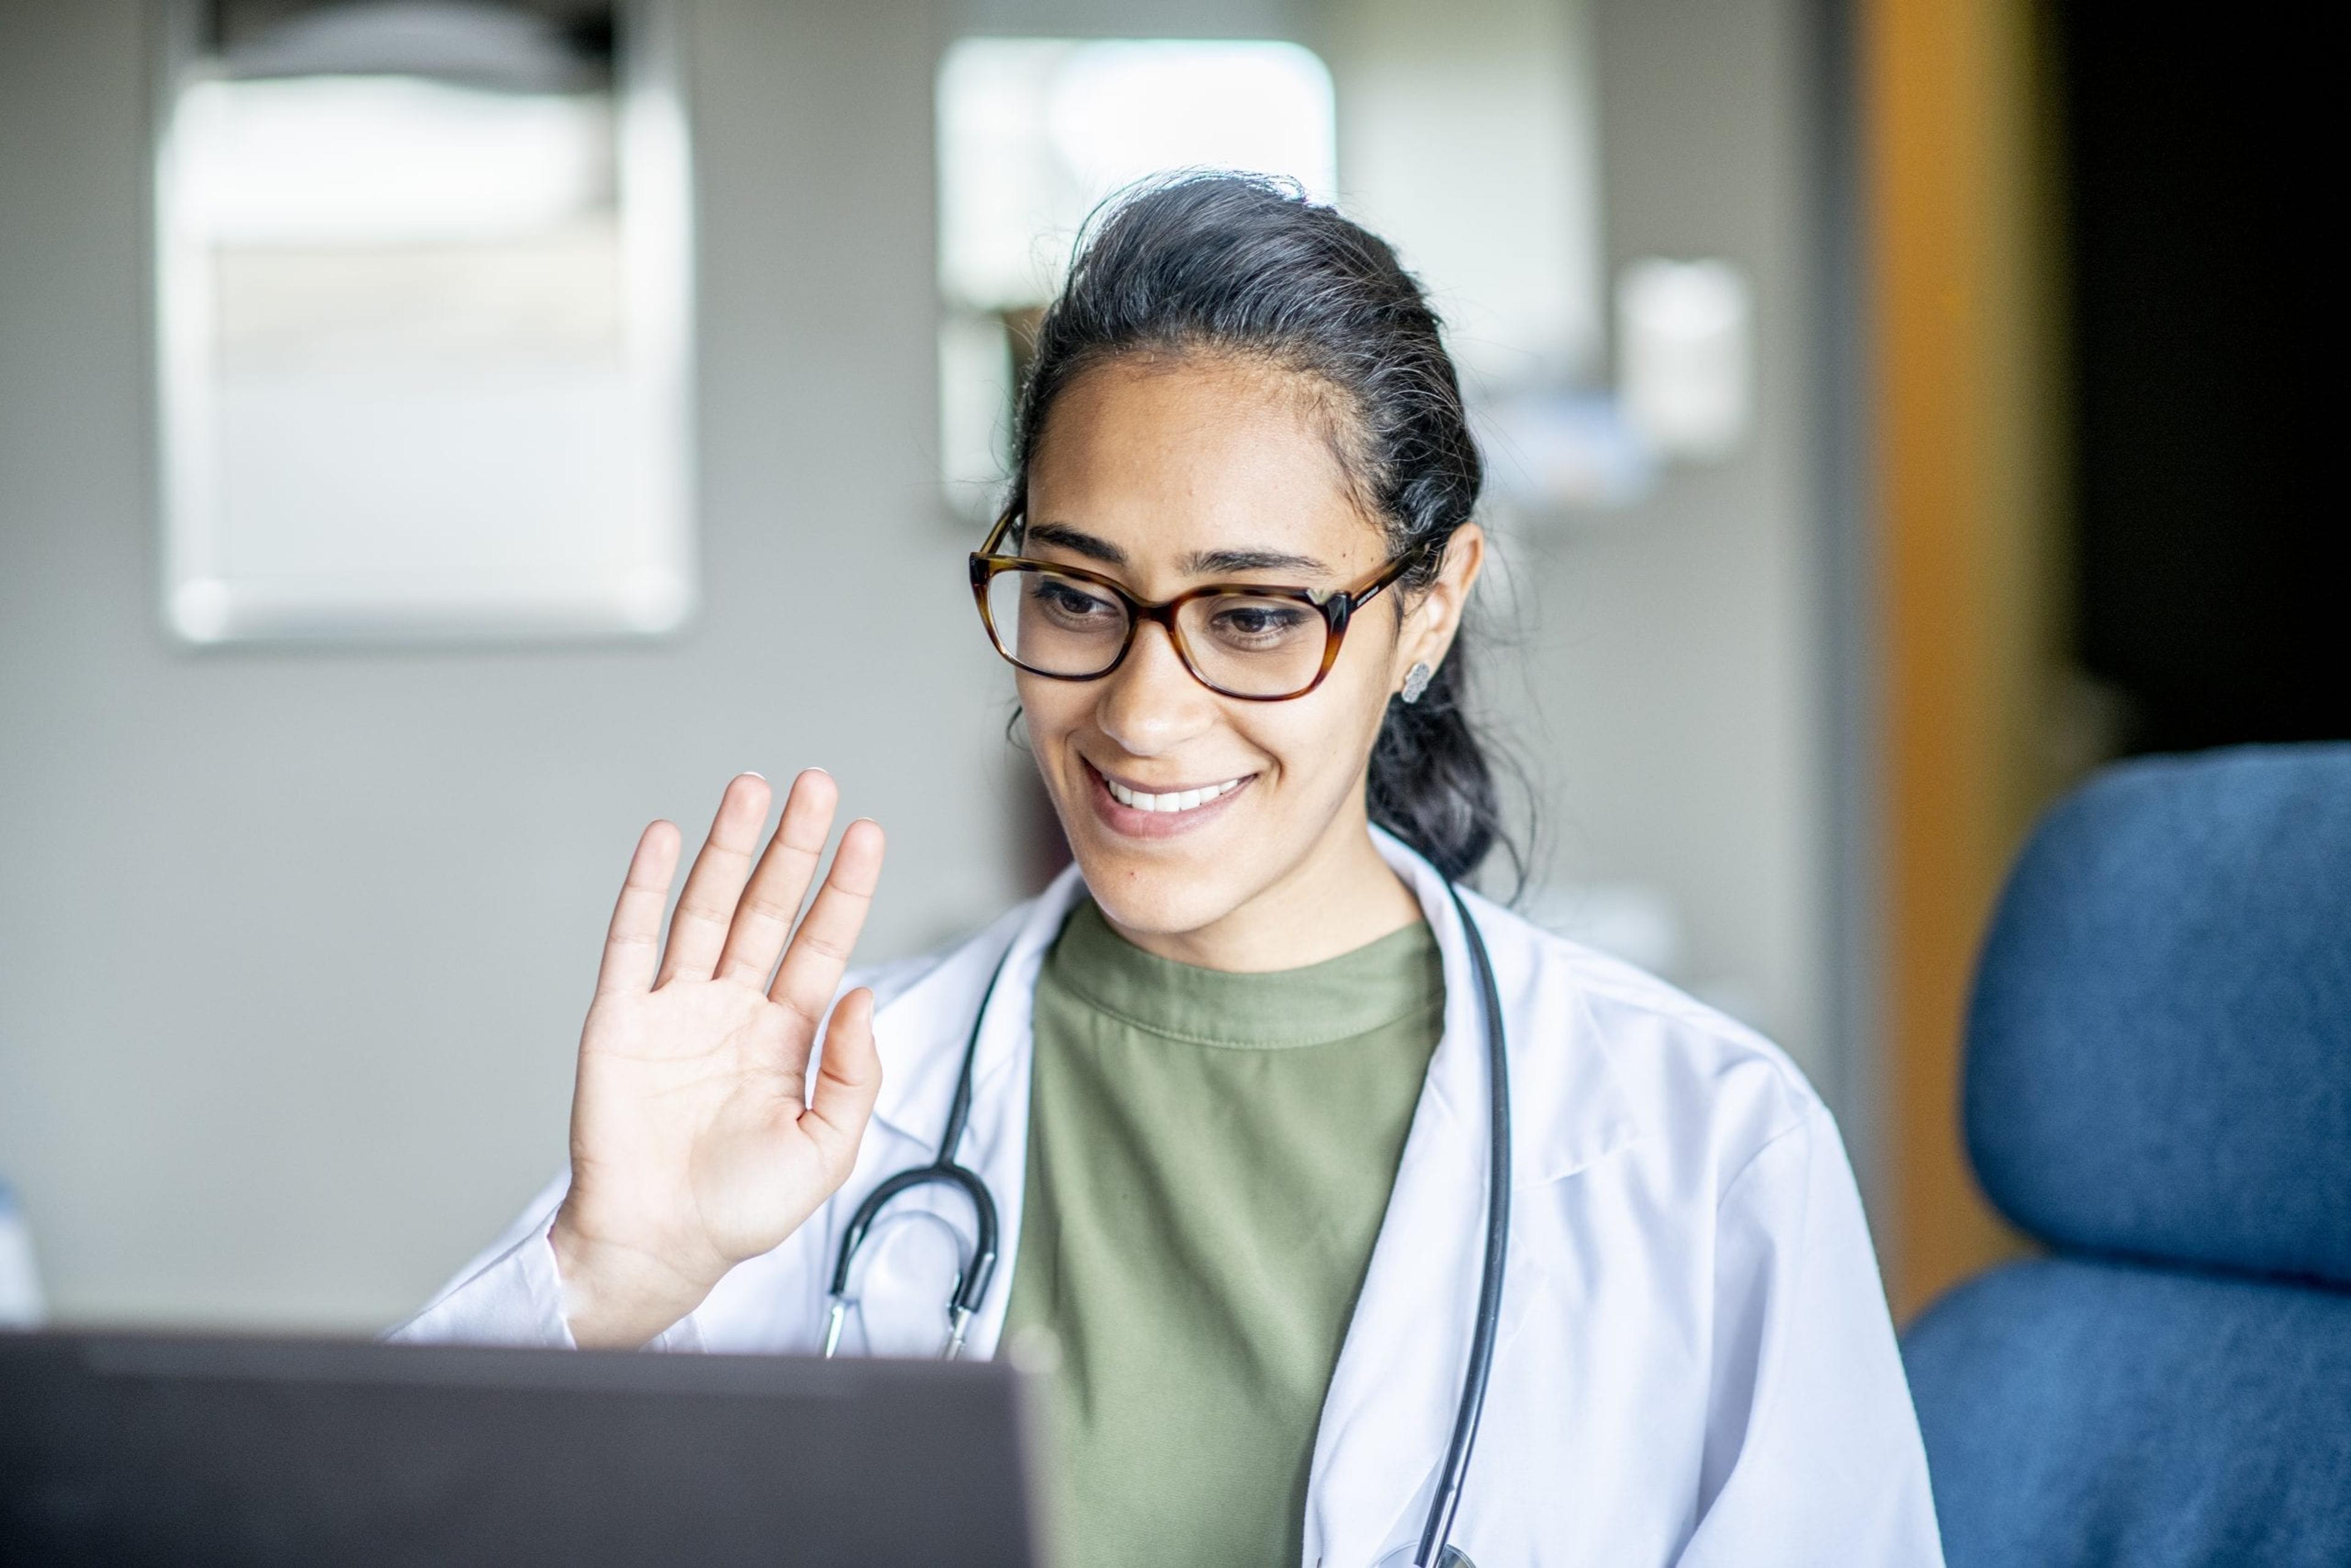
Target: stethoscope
[[971, 1285]]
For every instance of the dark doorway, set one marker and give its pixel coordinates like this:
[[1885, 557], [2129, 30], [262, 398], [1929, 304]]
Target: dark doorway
[[2208, 571]]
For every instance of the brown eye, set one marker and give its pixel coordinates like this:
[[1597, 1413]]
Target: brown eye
[[1244, 624], [1069, 605]]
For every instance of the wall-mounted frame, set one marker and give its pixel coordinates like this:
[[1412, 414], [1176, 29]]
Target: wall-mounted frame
[[424, 320]]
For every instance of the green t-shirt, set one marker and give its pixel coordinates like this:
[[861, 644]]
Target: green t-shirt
[[1209, 1158]]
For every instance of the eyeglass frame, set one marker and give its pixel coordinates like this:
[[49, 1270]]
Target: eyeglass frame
[[1337, 608]]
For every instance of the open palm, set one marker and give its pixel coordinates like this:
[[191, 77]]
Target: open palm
[[697, 1140]]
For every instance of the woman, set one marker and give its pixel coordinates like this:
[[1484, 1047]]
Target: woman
[[1229, 1077]]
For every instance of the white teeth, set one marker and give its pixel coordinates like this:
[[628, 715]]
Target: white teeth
[[1174, 800]]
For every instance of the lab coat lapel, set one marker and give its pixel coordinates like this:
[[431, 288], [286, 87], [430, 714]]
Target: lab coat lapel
[[1389, 1412], [1390, 1408]]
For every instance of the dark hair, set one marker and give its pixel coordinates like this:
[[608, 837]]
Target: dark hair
[[1243, 266]]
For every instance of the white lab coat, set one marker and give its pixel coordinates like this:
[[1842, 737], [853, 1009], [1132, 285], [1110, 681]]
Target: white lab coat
[[1695, 1364]]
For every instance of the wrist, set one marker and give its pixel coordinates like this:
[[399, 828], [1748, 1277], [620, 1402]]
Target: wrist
[[617, 1297]]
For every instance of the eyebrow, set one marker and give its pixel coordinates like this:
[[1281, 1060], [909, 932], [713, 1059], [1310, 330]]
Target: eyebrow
[[1204, 563], [1075, 541], [1199, 563]]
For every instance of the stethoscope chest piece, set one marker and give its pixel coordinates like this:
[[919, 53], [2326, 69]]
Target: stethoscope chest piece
[[898, 1298]]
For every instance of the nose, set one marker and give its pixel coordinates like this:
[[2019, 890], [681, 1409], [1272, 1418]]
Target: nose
[[1150, 704]]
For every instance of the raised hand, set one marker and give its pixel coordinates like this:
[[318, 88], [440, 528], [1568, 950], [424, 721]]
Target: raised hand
[[696, 1141]]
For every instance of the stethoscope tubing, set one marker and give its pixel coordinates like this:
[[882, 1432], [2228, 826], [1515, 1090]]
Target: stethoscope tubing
[[971, 1288], [1480, 1371]]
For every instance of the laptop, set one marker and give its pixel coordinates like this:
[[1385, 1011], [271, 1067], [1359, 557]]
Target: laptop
[[141, 1448]]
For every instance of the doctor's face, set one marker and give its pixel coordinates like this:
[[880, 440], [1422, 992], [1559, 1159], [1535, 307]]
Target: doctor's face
[[1182, 805]]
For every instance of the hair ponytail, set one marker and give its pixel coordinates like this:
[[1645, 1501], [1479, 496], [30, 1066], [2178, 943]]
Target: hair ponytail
[[1241, 265]]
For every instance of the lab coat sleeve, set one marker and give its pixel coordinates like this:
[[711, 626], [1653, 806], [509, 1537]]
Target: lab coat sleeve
[[1813, 1452], [512, 1294]]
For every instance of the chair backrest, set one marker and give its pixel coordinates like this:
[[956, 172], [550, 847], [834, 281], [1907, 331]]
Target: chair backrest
[[2158, 1087]]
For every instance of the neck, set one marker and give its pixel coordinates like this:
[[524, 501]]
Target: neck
[[1339, 896]]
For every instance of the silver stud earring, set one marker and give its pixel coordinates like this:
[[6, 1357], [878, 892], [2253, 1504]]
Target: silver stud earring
[[1415, 680]]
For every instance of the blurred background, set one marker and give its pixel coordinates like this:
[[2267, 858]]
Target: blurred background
[[436, 438]]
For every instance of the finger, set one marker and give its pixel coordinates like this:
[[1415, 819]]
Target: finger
[[763, 917], [634, 940], [820, 949], [698, 930], [848, 1081]]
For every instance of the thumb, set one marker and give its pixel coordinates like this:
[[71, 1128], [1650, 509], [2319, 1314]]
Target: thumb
[[848, 1081]]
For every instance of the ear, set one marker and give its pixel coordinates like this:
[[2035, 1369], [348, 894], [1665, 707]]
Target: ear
[[1432, 621]]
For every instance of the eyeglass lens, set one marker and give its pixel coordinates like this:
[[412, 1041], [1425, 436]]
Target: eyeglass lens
[[1239, 643]]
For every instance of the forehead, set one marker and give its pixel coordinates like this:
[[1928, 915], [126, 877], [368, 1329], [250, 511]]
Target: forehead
[[1168, 458]]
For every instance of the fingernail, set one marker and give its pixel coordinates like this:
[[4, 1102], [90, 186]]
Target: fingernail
[[752, 773]]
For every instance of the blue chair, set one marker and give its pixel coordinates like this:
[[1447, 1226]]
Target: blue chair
[[2158, 1089]]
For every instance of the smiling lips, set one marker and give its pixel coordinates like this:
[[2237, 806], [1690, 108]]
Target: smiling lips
[[1169, 799]]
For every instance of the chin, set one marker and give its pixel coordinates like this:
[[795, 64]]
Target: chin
[[1142, 894]]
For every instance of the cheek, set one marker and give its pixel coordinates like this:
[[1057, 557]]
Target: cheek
[[1330, 742], [1359, 684], [1317, 743], [1047, 707], [1050, 711]]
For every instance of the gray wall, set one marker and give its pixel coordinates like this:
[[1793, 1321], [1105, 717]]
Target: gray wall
[[293, 945], [1676, 648]]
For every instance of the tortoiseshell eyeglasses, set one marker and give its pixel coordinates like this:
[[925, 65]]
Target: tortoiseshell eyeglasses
[[1258, 644]]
